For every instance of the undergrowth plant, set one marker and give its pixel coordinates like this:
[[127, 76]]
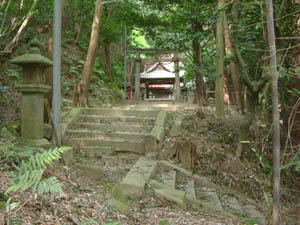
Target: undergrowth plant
[[29, 173]]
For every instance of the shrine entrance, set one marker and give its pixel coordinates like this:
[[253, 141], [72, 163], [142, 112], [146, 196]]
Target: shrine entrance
[[162, 79]]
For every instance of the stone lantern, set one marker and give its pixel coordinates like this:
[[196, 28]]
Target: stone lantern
[[33, 89]]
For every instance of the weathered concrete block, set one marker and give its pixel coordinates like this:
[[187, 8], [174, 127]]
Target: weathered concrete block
[[169, 178], [186, 153], [134, 182], [158, 130], [184, 172], [177, 197], [150, 146]]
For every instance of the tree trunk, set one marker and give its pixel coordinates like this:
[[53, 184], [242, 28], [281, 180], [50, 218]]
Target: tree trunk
[[107, 61], [233, 66], [253, 87], [197, 65], [14, 42], [220, 62], [276, 115], [90, 58], [226, 89]]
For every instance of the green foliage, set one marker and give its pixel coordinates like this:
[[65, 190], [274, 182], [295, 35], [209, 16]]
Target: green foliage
[[164, 222], [29, 173], [294, 162]]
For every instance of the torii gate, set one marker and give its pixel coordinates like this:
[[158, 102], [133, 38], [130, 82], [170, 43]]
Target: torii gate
[[138, 61]]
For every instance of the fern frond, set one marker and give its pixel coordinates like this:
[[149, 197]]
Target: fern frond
[[50, 185], [29, 173]]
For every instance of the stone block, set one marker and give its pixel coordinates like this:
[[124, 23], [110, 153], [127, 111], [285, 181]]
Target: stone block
[[133, 184], [176, 197], [158, 130], [150, 146], [185, 151]]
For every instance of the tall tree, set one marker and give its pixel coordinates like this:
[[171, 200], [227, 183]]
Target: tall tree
[[276, 115], [220, 61], [254, 87], [90, 58], [233, 67]]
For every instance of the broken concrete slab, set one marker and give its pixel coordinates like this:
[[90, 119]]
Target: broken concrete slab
[[133, 184], [150, 146], [168, 178], [185, 153], [181, 171], [211, 197], [190, 188], [177, 197], [158, 130]]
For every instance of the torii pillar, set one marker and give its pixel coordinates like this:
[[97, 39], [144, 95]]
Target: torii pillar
[[177, 79], [137, 78]]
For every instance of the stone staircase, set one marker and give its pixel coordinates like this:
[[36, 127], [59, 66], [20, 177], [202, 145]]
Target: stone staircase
[[107, 131], [175, 185], [140, 130]]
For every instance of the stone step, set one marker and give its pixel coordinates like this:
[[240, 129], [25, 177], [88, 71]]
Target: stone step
[[99, 151], [133, 184], [190, 188], [105, 135], [168, 178], [112, 127], [116, 119], [117, 144], [120, 112], [210, 196]]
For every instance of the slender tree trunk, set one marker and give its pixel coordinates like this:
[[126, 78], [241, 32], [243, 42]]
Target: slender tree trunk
[[276, 115], [197, 66], [233, 66], [90, 58], [14, 42], [253, 89], [220, 62], [226, 88]]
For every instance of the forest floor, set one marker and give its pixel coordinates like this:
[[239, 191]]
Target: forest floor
[[85, 197]]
